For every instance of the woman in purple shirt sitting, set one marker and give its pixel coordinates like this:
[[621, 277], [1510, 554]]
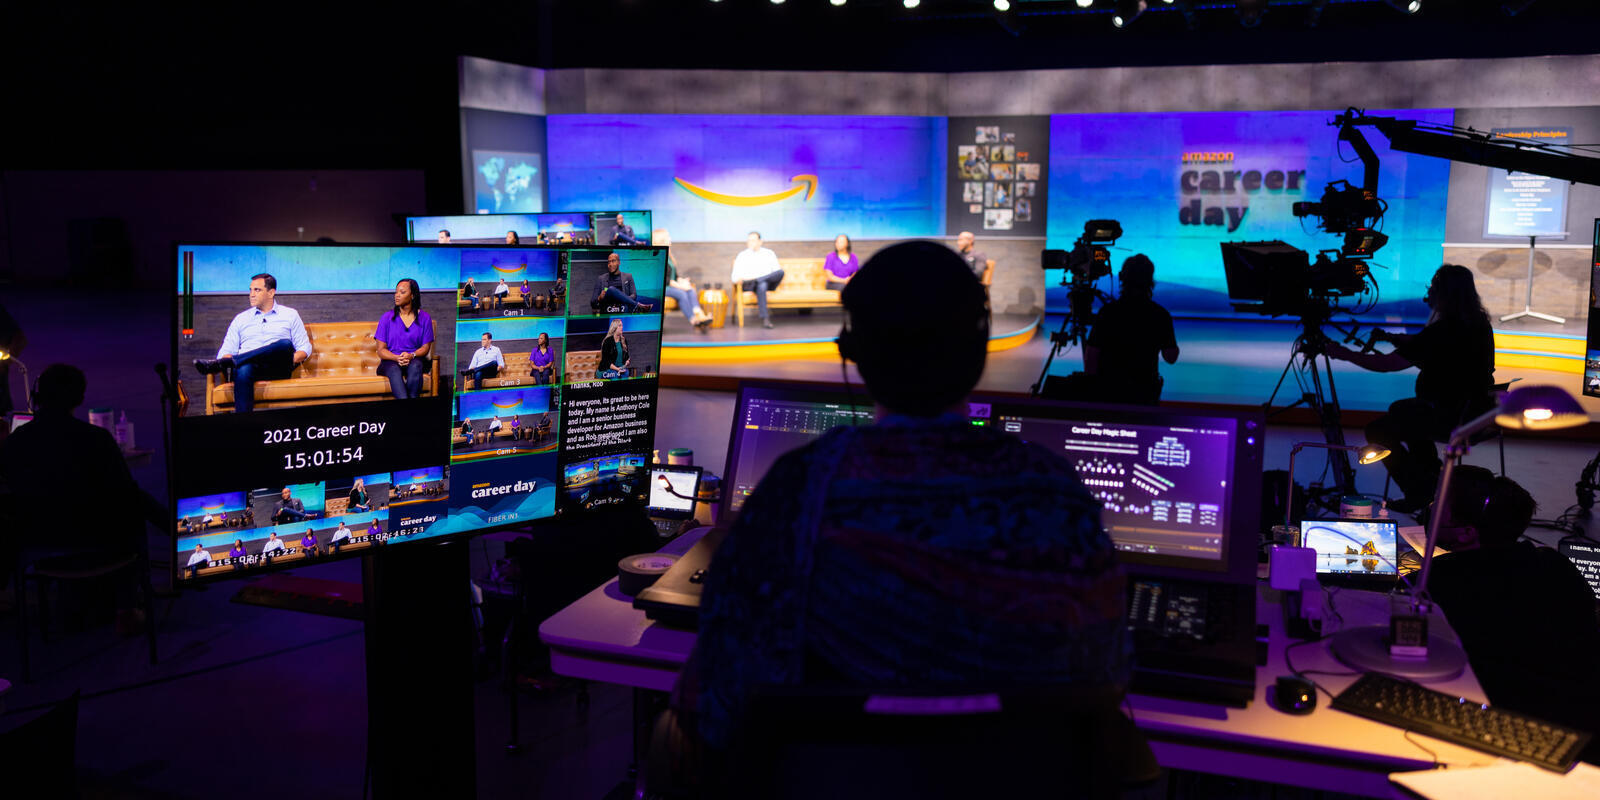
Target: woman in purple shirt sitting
[[405, 339], [543, 361], [308, 542], [841, 263], [237, 551]]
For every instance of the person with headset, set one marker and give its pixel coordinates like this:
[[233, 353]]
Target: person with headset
[[1525, 615], [916, 551], [1129, 334]]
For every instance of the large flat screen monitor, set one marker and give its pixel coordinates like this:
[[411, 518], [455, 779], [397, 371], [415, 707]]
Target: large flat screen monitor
[[1591, 364], [524, 389], [556, 227], [1180, 488]]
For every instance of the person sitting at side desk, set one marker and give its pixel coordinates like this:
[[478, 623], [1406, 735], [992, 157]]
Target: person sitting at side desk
[[854, 562], [1525, 615]]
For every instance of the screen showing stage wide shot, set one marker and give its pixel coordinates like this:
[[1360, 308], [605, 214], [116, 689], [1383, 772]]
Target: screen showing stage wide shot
[[346, 397]]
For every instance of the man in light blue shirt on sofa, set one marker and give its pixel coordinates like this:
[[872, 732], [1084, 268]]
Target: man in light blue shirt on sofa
[[264, 343]]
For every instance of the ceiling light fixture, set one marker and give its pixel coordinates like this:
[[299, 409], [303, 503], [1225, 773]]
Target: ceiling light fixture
[[1002, 5], [1127, 11]]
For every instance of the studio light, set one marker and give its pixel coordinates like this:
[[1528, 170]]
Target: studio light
[[1405, 6], [777, 2], [1002, 5], [1085, 3], [1126, 12], [1250, 12], [838, 2], [911, 3]]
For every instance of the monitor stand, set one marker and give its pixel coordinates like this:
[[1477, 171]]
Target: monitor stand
[[419, 671]]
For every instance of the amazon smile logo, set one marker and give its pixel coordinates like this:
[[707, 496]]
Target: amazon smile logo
[[507, 406], [510, 270], [808, 184]]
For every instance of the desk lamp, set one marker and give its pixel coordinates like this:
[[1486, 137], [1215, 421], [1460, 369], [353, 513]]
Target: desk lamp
[[5, 356], [1405, 648], [1367, 454]]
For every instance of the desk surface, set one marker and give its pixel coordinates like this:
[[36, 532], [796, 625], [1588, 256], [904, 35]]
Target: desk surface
[[603, 637]]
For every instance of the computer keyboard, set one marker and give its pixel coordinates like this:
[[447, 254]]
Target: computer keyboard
[[1503, 733]]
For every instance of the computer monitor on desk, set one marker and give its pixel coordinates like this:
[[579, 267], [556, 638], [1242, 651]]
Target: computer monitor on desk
[[1181, 488], [770, 419]]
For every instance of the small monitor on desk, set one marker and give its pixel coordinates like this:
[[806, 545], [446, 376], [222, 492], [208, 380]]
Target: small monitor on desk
[[1359, 550], [673, 490]]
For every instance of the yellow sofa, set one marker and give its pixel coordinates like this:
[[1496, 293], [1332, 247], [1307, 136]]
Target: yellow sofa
[[343, 367], [804, 286]]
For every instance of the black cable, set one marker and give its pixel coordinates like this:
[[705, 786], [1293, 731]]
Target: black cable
[[1406, 732]]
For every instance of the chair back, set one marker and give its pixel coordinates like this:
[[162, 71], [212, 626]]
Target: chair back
[[854, 743]]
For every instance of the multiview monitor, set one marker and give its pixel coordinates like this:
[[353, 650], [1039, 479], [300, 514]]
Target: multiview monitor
[[343, 398], [624, 228]]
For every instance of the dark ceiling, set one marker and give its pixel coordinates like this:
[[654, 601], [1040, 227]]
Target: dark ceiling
[[337, 85]]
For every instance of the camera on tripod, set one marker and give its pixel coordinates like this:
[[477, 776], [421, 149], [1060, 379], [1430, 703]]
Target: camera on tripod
[[1089, 259], [1275, 279]]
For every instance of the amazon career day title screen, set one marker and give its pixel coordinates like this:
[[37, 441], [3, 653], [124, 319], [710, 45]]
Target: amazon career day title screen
[[529, 392]]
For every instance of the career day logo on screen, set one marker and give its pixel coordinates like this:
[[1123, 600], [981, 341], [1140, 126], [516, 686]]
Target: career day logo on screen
[[1215, 193]]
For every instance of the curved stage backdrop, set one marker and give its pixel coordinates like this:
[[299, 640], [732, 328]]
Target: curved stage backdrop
[[718, 177], [1181, 184]]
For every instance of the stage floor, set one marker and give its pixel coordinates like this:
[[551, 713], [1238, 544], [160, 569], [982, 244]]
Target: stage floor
[[1227, 362]]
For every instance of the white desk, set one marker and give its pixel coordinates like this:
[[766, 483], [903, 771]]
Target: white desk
[[602, 637]]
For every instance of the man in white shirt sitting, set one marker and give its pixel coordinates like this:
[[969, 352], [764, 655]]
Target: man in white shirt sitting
[[273, 545], [198, 560], [487, 361], [341, 536], [756, 269], [264, 343], [501, 292]]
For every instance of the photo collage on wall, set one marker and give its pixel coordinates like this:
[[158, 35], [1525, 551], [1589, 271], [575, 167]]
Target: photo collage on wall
[[998, 178]]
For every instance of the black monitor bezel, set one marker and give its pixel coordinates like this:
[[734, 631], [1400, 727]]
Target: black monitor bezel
[[408, 218], [172, 416], [853, 394]]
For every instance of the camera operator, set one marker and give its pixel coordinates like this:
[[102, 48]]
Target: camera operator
[[1454, 354], [1128, 334]]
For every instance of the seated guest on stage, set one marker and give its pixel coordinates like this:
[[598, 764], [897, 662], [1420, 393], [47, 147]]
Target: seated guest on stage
[[340, 538], [966, 247], [469, 292], [495, 425], [1525, 615], [308, 543], [511, 238], [681, 289], [374, 530], [444, 236], [613, 353], [198, 560], [615, 288], [527, 294], [1129, 334], [542, 361], [358, 497], [54, 463], [405, 341], [1454, 354], [841, 264], [487, 361], [516, 427], [289, 509], [501, 292], [858, 562], [264, 343], [237, 552], [623, 235], [466, 429], [272, 545], [756, 269]]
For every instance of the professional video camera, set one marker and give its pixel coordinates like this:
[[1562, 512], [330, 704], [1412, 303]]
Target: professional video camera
[[1274, 279], [1088, 261]]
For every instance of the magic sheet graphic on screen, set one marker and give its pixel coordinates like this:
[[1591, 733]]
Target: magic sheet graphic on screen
[[344, 397]]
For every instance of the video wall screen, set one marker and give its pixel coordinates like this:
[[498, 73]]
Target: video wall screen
[[1183, 183], [1591, 361], [624, 228], [718, 177], [348, 397]]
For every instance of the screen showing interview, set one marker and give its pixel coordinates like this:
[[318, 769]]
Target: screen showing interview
[[341, 398]]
